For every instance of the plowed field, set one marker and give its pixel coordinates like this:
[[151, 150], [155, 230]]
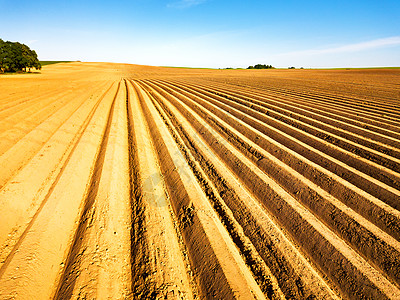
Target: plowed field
[[134, 182]]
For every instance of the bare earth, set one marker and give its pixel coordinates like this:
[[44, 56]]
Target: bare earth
[[134, 182]]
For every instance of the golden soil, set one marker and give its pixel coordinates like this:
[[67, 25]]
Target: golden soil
[[133, 182]]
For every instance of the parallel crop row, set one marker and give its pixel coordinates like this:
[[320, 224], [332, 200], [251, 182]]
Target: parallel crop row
[[180, 187], [334, 194]]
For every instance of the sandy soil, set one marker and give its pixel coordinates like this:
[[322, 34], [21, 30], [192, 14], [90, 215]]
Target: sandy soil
[[133, 182]]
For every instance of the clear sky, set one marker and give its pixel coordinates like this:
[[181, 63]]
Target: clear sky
[[209, 33]]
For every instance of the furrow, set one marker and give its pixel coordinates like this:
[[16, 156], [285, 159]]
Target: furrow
[[346, 101], [343, 116], [252, 178], [257, 155], [376, 188], [294, 285], [122, 181], [30, 119], [159, 267], [373, 209], [210, 248], [24, 149], [335, 132], [260, 270], [365, 165], [37, 260], [20, 103], [26, 193], [98, 265]]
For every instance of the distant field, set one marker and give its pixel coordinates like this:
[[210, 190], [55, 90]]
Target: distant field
[[52, 62], [371, 68], [123, 181], [187, 68]]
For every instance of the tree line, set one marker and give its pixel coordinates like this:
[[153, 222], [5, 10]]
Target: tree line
[[260, 66], [17, 57]]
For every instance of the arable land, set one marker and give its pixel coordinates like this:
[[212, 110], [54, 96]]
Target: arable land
[[122, 181]]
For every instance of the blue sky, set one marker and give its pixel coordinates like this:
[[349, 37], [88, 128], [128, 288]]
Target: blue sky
[[209, 33]]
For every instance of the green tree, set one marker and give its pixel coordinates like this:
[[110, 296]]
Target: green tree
[[17, 57], [3, 55], [260, 66]]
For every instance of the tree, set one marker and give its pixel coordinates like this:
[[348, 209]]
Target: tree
[[17, 57], [3, 55], [260, 66]]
